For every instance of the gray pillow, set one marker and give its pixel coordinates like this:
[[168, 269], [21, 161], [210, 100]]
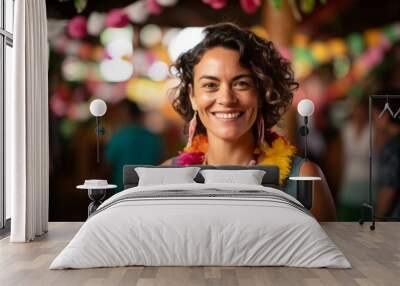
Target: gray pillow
[[248, 177], [162, 176]]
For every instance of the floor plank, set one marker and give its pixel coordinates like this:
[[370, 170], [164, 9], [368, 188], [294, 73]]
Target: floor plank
[[374, 255]]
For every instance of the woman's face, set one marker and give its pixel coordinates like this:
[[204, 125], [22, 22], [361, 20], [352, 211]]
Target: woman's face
[[224, 94]]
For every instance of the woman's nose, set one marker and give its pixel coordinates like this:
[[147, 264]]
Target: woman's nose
[[226, 96]]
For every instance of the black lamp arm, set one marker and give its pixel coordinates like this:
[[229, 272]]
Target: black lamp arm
[[304, 132], [306, 143], [99, 132]]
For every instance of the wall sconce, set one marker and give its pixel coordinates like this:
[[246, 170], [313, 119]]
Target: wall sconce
[[305, 185], [98, 108], [305, 108]]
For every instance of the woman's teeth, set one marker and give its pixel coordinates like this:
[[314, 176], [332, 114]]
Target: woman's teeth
[[227, 115]]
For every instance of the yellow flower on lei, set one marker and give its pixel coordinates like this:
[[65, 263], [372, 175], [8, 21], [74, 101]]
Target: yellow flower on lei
[[281, 154]]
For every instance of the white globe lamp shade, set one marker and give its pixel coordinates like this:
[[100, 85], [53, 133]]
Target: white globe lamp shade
[[305, 107], [98, 107], [167, 3]]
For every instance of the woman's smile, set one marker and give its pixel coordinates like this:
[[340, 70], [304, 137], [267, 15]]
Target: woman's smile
[[227, 116]]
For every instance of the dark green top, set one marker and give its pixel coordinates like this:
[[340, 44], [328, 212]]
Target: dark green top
[[132, 145], [290, 186]]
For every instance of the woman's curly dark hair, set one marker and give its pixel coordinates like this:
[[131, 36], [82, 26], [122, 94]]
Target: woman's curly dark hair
[[273, 75]]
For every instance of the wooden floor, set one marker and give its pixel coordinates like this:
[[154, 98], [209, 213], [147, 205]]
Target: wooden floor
[[374, 255]]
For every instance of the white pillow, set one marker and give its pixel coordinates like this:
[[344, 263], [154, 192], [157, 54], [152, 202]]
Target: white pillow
[[249, 177], [162, 176]]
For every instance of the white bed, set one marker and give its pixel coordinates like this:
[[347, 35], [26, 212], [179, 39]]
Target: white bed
[[222, 225]]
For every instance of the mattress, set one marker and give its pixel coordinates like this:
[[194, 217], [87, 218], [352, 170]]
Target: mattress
[[201, 225]]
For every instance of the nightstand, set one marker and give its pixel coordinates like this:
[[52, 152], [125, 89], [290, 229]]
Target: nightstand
[[305, 189], [97, 190]]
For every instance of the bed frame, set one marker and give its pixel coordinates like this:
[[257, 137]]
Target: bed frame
[[270, 179]]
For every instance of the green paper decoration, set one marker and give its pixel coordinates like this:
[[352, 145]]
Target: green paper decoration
[[356, 91], [80, 5], [68, 128], [307, 6], [390, 33], [277, 4], [304, 55], [356, 44], [341, 66]]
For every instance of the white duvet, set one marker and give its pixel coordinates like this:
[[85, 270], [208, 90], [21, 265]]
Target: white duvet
[[183, 231]]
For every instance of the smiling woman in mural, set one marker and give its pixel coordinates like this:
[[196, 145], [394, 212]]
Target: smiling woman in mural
[[234, 87]]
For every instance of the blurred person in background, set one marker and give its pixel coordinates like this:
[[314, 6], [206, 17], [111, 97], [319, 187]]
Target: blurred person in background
[[324, 139], [316, 145], [131, 143], [387, 135], [355, 180], [314, 87]]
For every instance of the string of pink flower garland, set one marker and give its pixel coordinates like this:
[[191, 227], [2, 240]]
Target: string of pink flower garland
[[120, 17]]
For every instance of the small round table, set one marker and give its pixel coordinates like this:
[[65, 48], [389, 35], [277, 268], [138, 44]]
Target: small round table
[[304, 191], [96, 194]]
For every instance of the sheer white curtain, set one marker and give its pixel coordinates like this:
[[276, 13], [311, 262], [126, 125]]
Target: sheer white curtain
[[27, 156]]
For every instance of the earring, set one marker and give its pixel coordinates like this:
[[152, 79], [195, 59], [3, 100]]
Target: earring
[[192, 129], [260, 130]]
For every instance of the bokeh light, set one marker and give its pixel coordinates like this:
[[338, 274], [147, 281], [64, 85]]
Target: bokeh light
[[185, 40], [118, 48], [73, 69], [116, 70], [111, 34], [158, 71], [150, 35]]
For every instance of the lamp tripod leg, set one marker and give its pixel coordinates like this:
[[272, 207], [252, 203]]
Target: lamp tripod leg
[[373, 218]]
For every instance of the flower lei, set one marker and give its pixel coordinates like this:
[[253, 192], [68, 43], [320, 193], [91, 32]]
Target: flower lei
[[275, 151]]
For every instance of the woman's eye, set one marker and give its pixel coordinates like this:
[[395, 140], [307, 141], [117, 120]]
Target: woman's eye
[[242, 84], [210, 85]]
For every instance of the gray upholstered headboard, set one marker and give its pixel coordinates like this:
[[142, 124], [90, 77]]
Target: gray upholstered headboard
[[270, 179]]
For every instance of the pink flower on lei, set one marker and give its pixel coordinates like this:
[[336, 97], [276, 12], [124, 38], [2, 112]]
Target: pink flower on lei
[[190, 158]]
